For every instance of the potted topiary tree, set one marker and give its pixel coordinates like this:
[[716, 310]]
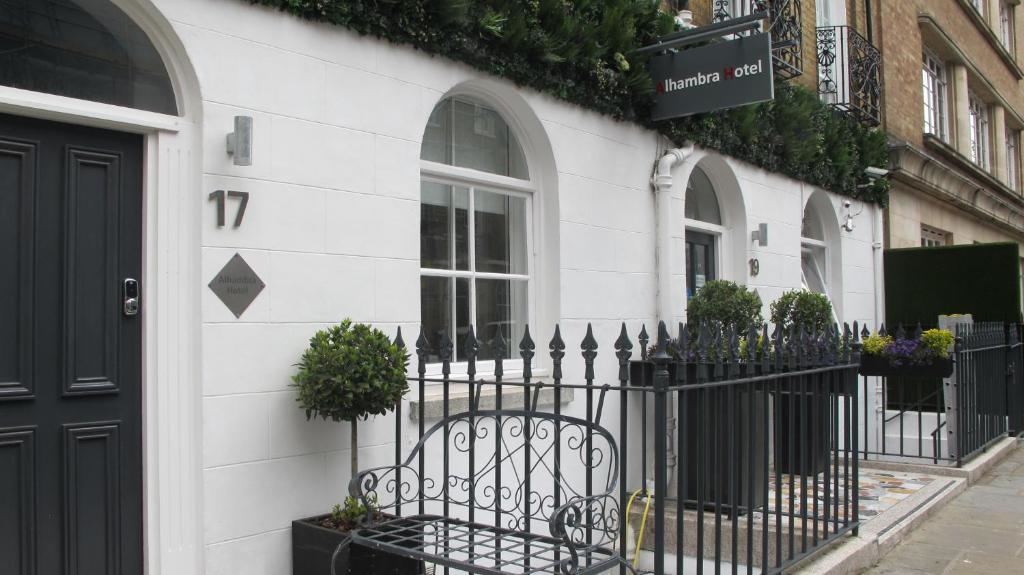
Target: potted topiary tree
[[348, 373], [809, 311]]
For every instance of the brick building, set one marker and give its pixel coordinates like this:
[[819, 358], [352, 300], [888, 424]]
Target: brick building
[[943, 79]]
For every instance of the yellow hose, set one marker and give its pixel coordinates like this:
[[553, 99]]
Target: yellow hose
[[643, 523]]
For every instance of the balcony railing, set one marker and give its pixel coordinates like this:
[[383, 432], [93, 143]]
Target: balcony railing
[[784, 24], [848, 73]]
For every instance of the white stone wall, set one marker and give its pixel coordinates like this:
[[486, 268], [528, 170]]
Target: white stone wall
[[332, 227]]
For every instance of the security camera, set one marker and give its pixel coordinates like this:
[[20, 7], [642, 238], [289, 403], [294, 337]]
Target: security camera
[[874, 173], [846, 204]]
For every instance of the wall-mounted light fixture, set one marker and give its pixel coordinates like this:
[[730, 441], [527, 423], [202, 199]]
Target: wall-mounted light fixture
[[760, 235], [240, 141]]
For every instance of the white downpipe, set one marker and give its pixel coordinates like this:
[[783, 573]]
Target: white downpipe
[[662, 182], [663, 220]]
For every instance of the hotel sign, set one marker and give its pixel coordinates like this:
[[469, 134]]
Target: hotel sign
[[721, 75]]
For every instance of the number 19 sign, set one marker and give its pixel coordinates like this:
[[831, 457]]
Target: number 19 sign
[[721, 75]]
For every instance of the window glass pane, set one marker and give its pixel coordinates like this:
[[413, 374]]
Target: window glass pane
[[462, 316], [466, 133], [435, 225], [436, 313], [812, 272], [701, 201], [437, 137], [812, 228], [87, 49], [500, 233], [500, 304], [461, 228], [480, 138]]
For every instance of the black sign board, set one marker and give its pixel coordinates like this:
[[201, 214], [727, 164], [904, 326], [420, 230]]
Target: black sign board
[[720, 75]]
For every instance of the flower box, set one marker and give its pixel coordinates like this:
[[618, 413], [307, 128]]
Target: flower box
[[881, 366]]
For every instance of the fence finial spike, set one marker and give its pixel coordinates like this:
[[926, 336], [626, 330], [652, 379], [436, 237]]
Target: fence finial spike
[[644, 339], [422, 345], [663, 341], [526, 345], [622, 343], [399, 342], [589, 343], [499, 344]]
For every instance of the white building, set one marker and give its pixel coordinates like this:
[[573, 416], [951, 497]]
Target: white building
[[367, 158]]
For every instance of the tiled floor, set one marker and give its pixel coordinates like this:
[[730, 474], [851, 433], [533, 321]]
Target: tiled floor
[[879, 490], [980, 532]]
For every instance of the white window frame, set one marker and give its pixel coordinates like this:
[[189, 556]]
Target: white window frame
[[1013, 158], [980, 135], [935, 89], [818, 250], [479, 180], [979, 5], [1006, 25], [933, 237]]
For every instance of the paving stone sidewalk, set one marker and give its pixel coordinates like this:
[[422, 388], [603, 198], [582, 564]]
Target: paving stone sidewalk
[[979, 532]]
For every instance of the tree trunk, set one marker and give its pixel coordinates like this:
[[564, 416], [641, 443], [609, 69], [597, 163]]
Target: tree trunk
[[355, 447]]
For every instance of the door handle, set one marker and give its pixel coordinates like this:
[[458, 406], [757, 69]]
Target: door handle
[[130, 297]]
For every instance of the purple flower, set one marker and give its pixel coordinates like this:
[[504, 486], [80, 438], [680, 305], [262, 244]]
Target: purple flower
[[902, 352]]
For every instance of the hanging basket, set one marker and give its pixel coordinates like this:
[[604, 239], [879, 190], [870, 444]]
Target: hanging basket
[[880, 366]]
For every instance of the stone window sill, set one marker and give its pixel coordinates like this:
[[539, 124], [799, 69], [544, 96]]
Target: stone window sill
[[458, 399]]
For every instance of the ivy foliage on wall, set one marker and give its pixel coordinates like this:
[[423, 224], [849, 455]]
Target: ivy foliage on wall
[[579, 51]]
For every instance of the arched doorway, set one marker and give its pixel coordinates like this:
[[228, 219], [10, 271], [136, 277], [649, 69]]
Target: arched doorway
[[99, 108]]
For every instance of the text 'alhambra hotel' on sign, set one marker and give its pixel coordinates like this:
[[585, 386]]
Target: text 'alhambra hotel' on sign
[[713, 77]]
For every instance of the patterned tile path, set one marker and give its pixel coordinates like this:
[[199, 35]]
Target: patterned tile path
[[879, 490]]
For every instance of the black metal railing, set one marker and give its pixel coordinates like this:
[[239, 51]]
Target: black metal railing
[[760, 472], [849, 76], [783, 22], [950, 420]]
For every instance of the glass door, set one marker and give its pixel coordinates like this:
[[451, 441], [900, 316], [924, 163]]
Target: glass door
[[700, 261]]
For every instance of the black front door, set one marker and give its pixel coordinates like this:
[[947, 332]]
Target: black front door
[[70, 357], [700, 261]]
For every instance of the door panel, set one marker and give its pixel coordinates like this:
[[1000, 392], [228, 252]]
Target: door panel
[[17, 180], [70, 361], [90, 313]]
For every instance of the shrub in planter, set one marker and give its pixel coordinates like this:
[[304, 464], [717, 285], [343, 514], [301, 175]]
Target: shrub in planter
[[349, 372], [725, 303], [803, 308]]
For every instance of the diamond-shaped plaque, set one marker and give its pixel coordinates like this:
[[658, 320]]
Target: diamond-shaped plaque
[[237, 285]]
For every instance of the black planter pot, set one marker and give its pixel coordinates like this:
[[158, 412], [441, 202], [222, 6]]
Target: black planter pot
[[313, 545], [880, 366], [805, 450], [713, 429]]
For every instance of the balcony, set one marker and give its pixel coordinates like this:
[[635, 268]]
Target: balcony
[[783, 24], [848, 73]]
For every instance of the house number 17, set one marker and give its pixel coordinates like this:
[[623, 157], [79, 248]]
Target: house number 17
[[219, 197]]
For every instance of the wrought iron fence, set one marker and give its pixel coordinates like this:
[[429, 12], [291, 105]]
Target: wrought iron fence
[[765, 447], [848, 73], [948, 420], [783, 22]]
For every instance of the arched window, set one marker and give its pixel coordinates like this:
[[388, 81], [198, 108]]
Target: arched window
[[703, 231], [818, 262], [475, 229], [86, 49]]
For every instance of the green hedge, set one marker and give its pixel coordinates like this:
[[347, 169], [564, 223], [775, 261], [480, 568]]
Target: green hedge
[[579, 51], [982, 280]]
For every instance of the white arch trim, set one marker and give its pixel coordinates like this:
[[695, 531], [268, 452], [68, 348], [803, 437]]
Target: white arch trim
[[733, 245], [521, 118], [172, 395]]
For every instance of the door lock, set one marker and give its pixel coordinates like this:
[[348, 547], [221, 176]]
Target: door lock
[[130, 295]]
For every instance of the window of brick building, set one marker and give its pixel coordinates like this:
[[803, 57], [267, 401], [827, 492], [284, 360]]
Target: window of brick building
[[931, 237], [979, 5], [1013, 158], [980, 148], [935, 86], [1006, 24]]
